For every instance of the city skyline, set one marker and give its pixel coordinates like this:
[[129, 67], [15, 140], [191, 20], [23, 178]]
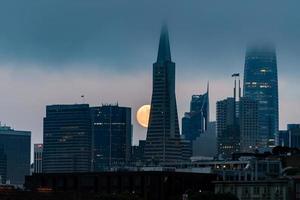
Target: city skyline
[[50, 77]]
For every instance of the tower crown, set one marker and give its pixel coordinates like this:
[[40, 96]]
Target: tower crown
[[164, 52]]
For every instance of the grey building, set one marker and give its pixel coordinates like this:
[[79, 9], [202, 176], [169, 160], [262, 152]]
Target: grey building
[[248, 122], [67, 138], [261, 84], [163, 138], [14, 155], [228, 131], [206, 144], [37, 158], [196, 120], [112, 136]]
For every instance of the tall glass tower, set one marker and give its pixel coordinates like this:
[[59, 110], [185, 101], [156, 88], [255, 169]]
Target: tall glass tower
[[261, 84], [163, 139]]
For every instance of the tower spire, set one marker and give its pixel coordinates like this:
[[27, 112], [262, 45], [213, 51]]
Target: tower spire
[[164, 52]]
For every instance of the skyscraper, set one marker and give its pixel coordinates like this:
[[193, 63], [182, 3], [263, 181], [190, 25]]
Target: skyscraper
[[163, 139], [67, 138], [195, 122], [261, 84], [15, 153], [37, 158], [112, 135], [228, 132], [248, 122]]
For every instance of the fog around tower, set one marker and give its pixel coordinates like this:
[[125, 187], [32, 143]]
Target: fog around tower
[[54, 51]]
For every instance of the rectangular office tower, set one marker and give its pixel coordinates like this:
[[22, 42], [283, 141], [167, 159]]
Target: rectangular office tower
[[37, 158], [67, 138], [249, 127], [14, 155], [228, 131], [261, 84], [112, 135]]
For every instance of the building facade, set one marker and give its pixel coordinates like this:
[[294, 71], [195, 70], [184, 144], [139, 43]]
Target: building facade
[[15, 154], [196, 121], [112, 136], [38, 158], [206, 144], [290, 137], [248, 122], [228, 131], [261, 84], [163, 138], [67, 139]]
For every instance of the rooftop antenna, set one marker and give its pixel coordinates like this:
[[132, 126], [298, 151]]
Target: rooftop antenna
[[83, 98]]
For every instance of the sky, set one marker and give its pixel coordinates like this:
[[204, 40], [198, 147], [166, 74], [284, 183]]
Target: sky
[[54, 51]]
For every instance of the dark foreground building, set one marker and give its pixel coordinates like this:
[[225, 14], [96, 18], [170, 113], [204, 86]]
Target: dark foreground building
[[147, 185]]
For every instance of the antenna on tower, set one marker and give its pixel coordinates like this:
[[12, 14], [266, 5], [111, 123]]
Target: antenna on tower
[[83, 98]]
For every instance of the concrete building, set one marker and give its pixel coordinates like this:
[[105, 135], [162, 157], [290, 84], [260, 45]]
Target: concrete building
[[206, 144], [38, 158]]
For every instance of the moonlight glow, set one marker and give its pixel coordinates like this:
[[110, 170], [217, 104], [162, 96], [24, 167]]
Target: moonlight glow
[[142, 115]]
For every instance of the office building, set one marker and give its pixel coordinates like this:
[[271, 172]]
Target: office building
[[248, 122], [14, 155], [112, 135], [163, 138], [261, 84], [228, 131], [67, 139], [196, 121], [37, 158]]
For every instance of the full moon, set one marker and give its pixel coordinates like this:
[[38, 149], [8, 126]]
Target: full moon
[[142, 115]]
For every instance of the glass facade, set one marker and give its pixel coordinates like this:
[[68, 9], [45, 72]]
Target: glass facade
[[112, 135], [67, 138], [15, 153], [261, 84], [195, 122]]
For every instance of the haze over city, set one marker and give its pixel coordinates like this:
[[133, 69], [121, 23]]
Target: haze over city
[[52, 52]]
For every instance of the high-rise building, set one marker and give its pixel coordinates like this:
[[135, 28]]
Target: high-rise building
[[228, 132], [163, 138], [195, 122], [206, 144], [248, 122], [14, 155], [67, 138], [37, 158], [261, 84], [112, 135]]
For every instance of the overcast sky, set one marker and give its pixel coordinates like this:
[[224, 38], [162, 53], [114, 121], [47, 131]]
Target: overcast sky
[[53, 51]]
